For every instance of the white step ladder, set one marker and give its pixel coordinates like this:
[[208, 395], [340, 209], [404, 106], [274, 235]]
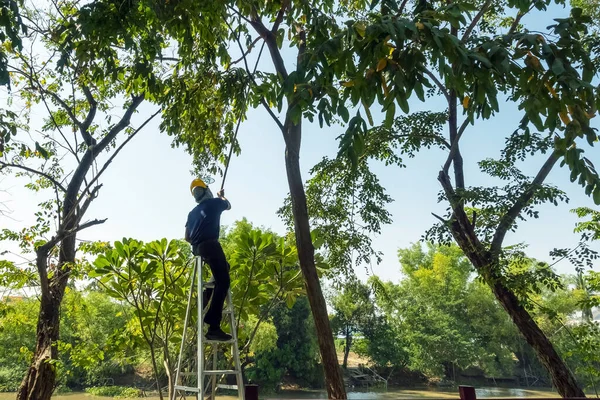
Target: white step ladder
[[201, 388]]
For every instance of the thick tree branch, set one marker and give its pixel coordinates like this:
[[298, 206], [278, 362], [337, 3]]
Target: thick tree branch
[[122, 124], [511, 215], [89, 140], [107, 163], [284, 5], [438, 83], [475, 21], [43, 251], [271, 40], [33, 171], [454, 146], [86, 204]]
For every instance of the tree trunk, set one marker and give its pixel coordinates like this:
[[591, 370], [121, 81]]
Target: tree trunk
[[170, 377], [38, 383], [562, 377], [347, 348], [306, 255]]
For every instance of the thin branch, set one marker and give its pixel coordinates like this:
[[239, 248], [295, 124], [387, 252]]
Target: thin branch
[[262, 46], [239, 14], [164, 58], [440, 218], [401, 8], [58, 143], [58, 213], [439, 139], [116, 152], [87, 225], [511, 215], [71, 149], [438, 83], [251, 76], [565, 256], [33, 171], [454, 147], [517, 20], [62, 103], [44, 250], [475, 21], [247, 52]]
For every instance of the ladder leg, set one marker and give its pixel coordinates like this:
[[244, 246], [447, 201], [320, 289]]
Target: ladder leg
[[214, 377], [235, 351], [200, 334], [185, 325]]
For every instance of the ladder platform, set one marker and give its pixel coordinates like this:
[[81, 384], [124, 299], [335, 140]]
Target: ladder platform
[[220, 372]]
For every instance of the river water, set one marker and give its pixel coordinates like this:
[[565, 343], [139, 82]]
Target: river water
[[390, 394]]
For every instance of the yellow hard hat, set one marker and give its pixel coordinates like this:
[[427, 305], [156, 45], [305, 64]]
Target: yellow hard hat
[[197, 183]]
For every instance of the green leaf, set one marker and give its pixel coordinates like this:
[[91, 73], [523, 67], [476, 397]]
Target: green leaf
[[597, 195], [389, 115], [558, 67], [43, 152], [343, 112]]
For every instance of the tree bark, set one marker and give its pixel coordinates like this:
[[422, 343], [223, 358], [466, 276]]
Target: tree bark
[[562, 377], [306, 255], [40, 379]]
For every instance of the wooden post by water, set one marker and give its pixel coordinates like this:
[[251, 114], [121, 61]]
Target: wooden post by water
[[251, 392], [467, 393]]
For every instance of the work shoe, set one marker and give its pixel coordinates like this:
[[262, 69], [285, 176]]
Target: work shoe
[[217, 334]]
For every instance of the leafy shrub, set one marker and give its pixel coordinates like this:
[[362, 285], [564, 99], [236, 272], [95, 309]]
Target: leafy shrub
[[115, 391], [10, 379]]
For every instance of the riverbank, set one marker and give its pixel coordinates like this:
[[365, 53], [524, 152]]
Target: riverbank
[[390, 394]]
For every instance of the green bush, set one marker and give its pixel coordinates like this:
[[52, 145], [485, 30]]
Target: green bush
[[115, 391], [10, 379]]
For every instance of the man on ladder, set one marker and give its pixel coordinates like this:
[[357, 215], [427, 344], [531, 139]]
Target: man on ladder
[[202, 232]]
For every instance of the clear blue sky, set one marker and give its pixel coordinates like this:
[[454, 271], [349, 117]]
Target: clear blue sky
[[146, 190]]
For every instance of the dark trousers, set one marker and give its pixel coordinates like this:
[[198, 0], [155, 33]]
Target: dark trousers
[[212, 254]]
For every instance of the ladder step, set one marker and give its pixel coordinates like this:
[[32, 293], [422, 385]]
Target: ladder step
[[187, 388], [221, 372], [225, 311], [230, 387], [218, 341]]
